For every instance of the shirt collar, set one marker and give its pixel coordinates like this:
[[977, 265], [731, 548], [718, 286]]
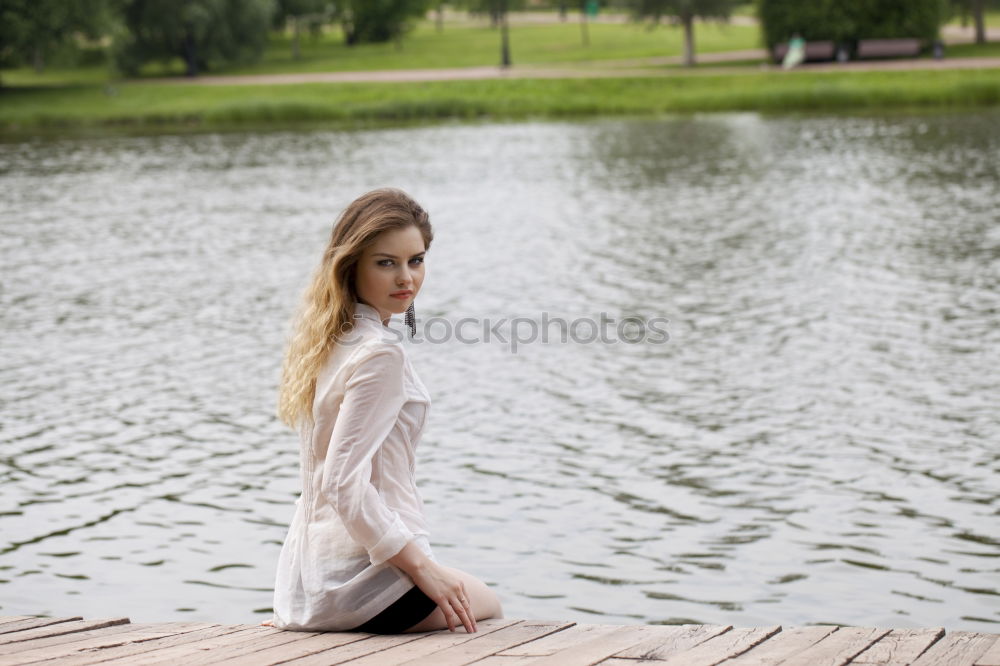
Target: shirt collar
[[367, 312]]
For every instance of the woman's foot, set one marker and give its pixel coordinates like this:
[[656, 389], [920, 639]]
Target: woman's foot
[[267, 623]]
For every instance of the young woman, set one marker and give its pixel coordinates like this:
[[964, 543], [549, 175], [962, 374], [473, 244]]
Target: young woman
[[357, 555]]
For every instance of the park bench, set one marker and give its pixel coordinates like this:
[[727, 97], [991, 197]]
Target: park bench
[[813, 51], [888, 48]]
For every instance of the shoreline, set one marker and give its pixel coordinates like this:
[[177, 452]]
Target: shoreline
[[157, 108]]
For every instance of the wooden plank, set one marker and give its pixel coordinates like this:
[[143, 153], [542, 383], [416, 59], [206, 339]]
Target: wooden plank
[[723, 646], [5, 619], [338, 655], [431, 642], [559, 640], [98, 639], [481, 647], [60, 628], [32, 622], [957, 648], [838, 648], [782, 645], [215, 649], [185, 653], [501, 660], [675, 639], [991, 657], [899, 646], [599, 649], [132, 652], [312, 643], [16, 648]]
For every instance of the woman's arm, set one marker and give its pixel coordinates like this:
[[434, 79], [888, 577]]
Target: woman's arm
[[447, 591], [373, 396]]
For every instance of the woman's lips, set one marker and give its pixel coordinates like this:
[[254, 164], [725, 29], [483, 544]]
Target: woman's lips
[[402, 295]]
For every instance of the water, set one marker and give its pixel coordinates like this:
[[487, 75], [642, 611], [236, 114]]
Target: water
[[817, 440]]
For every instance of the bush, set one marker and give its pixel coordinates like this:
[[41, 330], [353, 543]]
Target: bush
[[847, 21]]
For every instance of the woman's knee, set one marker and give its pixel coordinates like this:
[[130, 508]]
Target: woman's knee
[[483, 600], [485, 603]]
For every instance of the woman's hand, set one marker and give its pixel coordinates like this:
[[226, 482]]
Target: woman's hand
[[448, 591], [438, 583]]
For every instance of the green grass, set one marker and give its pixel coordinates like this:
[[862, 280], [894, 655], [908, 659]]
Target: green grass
[[152, 105], [987, 50], [459, 45], [468, 46]]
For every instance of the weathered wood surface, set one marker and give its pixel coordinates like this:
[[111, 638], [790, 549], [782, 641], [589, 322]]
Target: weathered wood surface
[[508, 642]]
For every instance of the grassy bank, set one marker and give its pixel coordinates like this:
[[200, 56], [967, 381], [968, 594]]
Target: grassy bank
[[151, 105]]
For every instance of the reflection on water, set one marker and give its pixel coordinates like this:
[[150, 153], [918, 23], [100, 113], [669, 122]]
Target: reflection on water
[[817, 441]]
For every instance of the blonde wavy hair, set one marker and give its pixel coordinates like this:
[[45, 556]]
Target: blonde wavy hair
[[326, 313]]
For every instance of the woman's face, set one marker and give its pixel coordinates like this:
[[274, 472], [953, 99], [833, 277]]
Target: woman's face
[[390, 271]]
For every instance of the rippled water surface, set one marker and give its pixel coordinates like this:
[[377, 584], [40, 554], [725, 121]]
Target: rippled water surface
[[818, 439]]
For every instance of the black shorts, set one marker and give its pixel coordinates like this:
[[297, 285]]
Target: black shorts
[[405, 612]]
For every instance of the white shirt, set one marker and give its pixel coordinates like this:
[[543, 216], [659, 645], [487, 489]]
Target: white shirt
[[359, 504]]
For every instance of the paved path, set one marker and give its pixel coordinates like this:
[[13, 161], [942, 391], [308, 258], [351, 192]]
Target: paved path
[[646, 67]]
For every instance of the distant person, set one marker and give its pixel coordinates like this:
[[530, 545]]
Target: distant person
[[796, 53], [357, 555]]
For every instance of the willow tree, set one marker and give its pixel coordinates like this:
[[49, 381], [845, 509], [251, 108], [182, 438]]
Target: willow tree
[[205, 34], [33, 31]]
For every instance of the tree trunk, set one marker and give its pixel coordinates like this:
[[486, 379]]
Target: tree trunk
[[38, 59], [688, 21], [584, 28], [190, 52], [440, 17], [504, 38], [977, 14], [297, 31]]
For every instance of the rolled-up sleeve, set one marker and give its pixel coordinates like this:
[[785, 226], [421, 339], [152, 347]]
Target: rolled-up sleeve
[[373, 396]]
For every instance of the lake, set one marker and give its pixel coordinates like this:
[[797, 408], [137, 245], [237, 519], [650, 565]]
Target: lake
[[812, 437]]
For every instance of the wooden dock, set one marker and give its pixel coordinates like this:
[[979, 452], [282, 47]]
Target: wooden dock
[[117, 641]]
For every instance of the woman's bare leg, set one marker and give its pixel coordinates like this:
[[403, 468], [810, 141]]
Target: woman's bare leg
[[482, 599]]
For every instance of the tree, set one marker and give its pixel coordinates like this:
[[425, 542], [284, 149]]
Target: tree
[[301, 12], [683, 12], [497, 10], [31, 31], [378, 20], [439, 15], [976, 9], [204, 33]]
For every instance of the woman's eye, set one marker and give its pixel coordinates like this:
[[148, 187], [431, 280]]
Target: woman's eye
[[417, 260], [385, 262]]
